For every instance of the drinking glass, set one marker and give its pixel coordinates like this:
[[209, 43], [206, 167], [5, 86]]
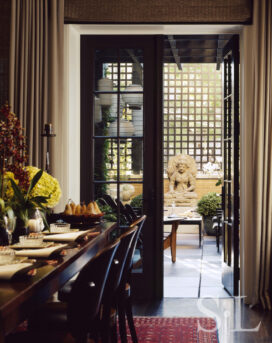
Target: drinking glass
[[10, 224], [7, 255]]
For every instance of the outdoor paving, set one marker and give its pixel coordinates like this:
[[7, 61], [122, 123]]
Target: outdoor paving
[[196, 272]]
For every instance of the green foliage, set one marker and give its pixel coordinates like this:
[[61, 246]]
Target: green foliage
[[219, 182], [137, 201], [208, 204], [109, 215], [102, 152], [24, 204]]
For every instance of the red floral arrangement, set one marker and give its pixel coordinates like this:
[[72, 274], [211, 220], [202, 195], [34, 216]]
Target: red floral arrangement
[[13, 148]]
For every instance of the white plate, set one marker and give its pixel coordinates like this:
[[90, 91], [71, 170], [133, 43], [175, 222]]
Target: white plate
[[52, 232], [17, 259], [29, 246]]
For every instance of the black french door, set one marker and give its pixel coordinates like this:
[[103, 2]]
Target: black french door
[[230, 189], [121, 137]]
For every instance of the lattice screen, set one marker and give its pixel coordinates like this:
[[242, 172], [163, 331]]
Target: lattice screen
[[192, 112]]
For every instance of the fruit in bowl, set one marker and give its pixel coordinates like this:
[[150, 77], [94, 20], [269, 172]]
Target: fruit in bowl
[[92, 209], [85, 214]]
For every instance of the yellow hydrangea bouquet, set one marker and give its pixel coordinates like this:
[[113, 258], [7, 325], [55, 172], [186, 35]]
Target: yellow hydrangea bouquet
[[47, 186], [43, 193]]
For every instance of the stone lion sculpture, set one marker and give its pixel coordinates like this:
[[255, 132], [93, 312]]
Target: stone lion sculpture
[[181, 172]]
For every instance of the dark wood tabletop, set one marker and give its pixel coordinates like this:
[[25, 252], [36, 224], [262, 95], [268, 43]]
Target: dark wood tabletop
[[19, 297]]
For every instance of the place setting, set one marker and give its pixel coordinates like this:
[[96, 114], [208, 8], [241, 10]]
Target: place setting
[[12, 265]]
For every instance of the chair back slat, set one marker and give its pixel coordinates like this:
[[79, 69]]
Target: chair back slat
[[119, 262], [128, 266], [87, 290]]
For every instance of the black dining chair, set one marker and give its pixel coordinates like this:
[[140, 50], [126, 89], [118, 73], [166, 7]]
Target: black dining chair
[[78, 317], [107, 316], [217, 226], [117, 293], [124, 301]]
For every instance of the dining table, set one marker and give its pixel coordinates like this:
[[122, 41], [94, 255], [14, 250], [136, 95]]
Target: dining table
[[171, 239], [19, 297]]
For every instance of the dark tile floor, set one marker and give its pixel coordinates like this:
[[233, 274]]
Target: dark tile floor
[[197, 270], [236, 322], [193, 288]]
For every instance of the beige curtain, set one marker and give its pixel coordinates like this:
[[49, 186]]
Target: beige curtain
[[256, 212], [36, 75]]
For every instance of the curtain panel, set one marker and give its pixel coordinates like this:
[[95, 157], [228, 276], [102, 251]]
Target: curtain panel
[[256, 212], [36, 75], [158, 11], [4, 50]]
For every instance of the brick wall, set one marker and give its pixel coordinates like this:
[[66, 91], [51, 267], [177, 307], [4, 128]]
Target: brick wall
[[203, 186]]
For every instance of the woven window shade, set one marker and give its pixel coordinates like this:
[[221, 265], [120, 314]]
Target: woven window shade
[[158, 11]]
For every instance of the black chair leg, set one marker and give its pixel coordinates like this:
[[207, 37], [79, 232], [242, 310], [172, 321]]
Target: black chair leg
[[105, 331], [130, 321], [114, 338], [217, 239], [83, 338], [122, 322]]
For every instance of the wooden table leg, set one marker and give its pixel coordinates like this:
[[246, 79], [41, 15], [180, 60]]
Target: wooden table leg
[[174, 241]]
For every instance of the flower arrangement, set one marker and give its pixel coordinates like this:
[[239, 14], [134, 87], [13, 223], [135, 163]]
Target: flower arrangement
[[47, 186], [13, 155], [22, 189], [25, 203]]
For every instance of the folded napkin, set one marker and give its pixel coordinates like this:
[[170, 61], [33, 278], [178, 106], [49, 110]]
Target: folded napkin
[[46, 252], [7, 271], [70, 236]]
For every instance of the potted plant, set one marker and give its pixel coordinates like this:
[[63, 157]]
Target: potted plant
[[137, 204], [207, 206]]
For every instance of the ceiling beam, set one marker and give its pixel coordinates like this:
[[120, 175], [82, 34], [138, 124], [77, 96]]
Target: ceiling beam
[[174, 50], [219, 53]]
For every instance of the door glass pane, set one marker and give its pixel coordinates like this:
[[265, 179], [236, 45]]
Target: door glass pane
[[103, 159], [131, 159], [131, 69], [106, 117], [106, 74], [118, 134]]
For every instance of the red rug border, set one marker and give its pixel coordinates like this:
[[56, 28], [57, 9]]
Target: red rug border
[[184, 317]]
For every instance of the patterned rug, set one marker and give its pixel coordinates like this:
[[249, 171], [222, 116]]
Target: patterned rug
[[175, 330], [157, 330]]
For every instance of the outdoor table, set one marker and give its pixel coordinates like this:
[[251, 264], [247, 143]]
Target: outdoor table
[[18, 298], [171, 239]]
